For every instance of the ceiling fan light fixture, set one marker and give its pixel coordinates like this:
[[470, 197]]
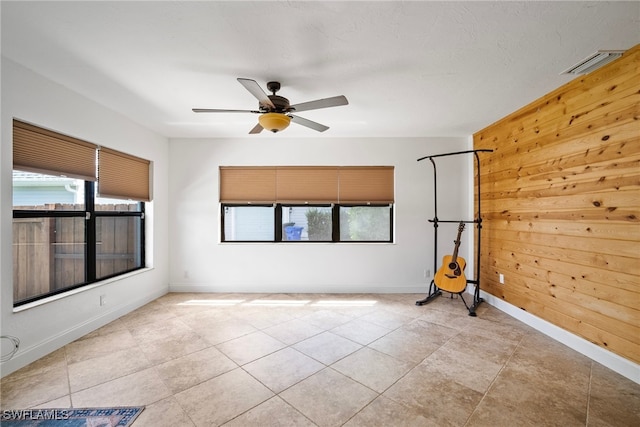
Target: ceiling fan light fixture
[[274, 122]]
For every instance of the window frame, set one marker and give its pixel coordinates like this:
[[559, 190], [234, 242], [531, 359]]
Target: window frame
[[89, 214], [335, 222]]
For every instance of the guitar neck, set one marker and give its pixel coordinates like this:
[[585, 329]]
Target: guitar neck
[[454, 257]]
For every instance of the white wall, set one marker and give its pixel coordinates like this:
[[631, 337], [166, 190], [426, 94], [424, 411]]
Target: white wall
[[199, 262], [44, 328]]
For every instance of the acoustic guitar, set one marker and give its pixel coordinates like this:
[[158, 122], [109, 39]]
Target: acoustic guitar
[[450, 277]]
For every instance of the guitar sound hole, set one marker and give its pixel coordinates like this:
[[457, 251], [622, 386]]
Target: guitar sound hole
[[453, 266]]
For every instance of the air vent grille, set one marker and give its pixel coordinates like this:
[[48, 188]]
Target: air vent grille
[[594, 61]]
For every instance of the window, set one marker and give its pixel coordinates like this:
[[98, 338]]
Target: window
[[248, 223], [303, 203], [66, 234]]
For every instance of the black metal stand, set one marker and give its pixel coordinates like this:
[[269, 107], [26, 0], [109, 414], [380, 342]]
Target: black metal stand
[[434, 291]]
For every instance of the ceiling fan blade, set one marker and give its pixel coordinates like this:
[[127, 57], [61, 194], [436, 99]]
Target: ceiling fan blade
[[321, 103], [308, 123], [256, 129], [216, 110], [255, 89]]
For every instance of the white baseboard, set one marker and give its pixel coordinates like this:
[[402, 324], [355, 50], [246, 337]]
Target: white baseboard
[[30, 354], [296, 289], [611, 360]]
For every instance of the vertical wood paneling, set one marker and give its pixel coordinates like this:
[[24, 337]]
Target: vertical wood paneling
[[561, 207]]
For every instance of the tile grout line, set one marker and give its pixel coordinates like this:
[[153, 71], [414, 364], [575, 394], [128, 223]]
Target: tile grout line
[[495, 379], [66, 365], [586, 421]]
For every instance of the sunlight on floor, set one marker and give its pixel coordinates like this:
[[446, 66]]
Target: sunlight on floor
[[345, 303], [279, 303], [213, 302]]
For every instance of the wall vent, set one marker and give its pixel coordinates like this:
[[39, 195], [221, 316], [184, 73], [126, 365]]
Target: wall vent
[[594, 61]]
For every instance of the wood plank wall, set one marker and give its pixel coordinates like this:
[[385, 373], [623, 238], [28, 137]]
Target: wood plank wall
[[561, 207]]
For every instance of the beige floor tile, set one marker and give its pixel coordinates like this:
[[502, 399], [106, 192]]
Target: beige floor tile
[[250, 347], [548, 363], [326, 319], [524, 396], [261, 318], [614, 399], [387, 319], [152, 312], [283, 368], [384, 412], [275, 412], [327, 347], [90, 372], [466, 368], [188, 371], [455, 320], [62, 402], [361, 331], [499, 331], [100, 345], [495, 350], [137, 389], [404, 308], [208, 317], [373, 369], [353, 306], [166, 412], [173, 346], [433, 364], [435, 396], [224, 331], [154, 331], [53, 361], [222, 398], [413, 342], [293, 331], [495, 412], [116, 325], [328, 398], [29, 390]]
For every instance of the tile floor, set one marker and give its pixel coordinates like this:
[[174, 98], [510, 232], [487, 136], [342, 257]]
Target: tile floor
[[326, 360]]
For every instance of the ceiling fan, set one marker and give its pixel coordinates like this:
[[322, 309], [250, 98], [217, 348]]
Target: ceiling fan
[[275, 111]]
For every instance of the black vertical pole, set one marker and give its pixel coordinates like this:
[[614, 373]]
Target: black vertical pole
[[435, 216]]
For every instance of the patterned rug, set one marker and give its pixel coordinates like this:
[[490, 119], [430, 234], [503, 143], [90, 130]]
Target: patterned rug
[[77, 417]]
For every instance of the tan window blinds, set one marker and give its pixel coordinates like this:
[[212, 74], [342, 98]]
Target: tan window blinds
[[247, 184], [366, 184], [307, 184], [122, 176], [47, 152]]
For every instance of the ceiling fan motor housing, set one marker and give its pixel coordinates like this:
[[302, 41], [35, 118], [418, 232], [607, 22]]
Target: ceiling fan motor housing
[[281, 103]]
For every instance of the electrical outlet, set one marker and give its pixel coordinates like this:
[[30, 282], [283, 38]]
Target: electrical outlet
[[428, 273], [501, 278], [103, 300]]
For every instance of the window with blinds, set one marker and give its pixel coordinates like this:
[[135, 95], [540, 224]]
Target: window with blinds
[[307, 184], [308, 203], [123, 176], [119, 175], [42, 151], [66, 233]]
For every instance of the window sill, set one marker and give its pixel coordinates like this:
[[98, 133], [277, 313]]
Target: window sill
[[79, 290]]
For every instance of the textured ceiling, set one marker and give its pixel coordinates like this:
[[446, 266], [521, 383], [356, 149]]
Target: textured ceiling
[[408, 68]]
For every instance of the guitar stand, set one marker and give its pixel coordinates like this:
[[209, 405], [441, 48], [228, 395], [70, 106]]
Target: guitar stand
[[434, 290]]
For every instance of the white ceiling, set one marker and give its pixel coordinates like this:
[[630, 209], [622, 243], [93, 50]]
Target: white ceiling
[[408, 68]]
